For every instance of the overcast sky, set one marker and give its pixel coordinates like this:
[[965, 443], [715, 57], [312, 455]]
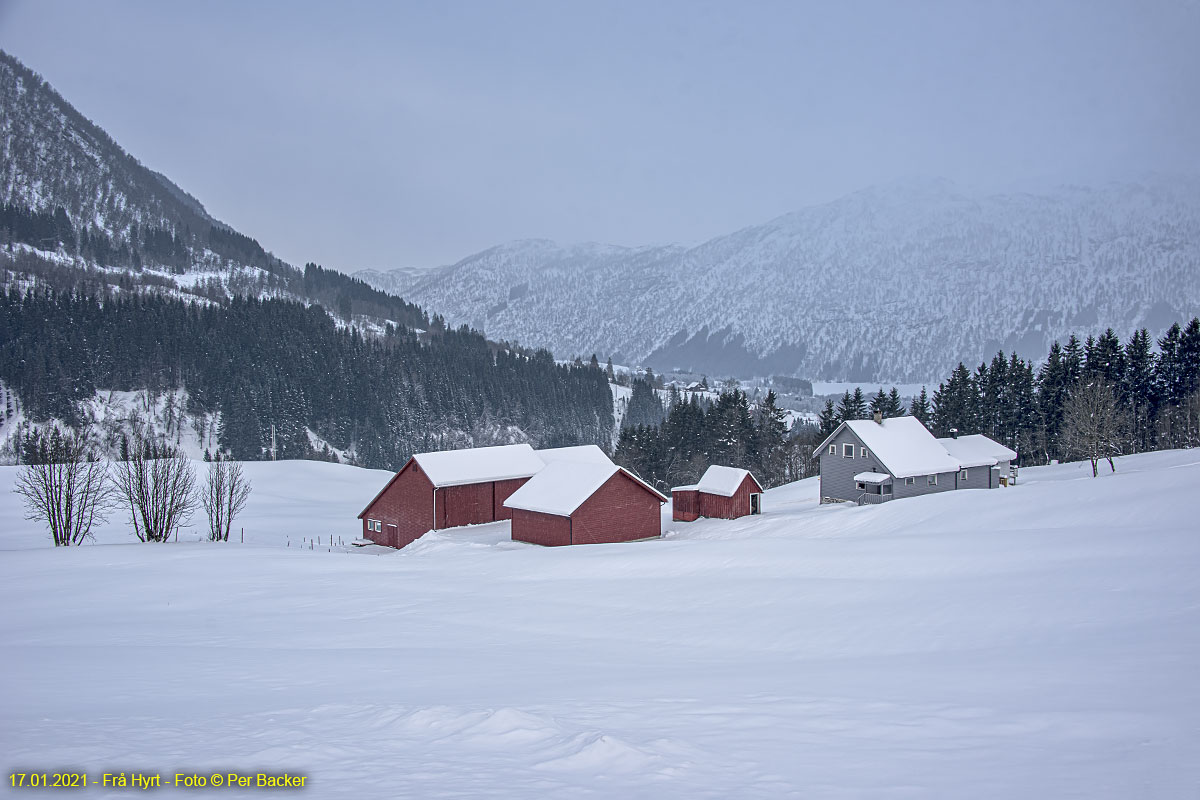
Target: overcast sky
[[396, 134]]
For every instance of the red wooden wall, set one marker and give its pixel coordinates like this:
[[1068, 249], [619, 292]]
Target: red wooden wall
[[621, 510], [407, 503], [548, 530], [685, 505]]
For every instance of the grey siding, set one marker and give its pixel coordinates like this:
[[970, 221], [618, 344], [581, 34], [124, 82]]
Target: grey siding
[[920, 485], [837, 472]]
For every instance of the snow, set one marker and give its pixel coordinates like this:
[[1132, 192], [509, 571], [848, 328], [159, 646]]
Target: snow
[[904, 445], [720, 480], [561, 487], [1040, 640], [479, 464], [872, 477], [977, 450], [589, 453]]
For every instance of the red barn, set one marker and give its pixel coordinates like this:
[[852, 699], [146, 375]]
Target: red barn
[[447, 489], [723, 492], [584, 502]]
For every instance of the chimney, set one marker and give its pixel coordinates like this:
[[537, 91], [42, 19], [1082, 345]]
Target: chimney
[[878, 417], [954, 433]]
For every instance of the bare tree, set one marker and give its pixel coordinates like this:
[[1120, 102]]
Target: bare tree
[[158, 485], [65, 485], [1092, 423], [224, 496]]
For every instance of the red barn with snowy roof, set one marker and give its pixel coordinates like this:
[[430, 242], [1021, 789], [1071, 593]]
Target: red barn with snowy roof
[[584, 502], [723, 492], [447, 489]]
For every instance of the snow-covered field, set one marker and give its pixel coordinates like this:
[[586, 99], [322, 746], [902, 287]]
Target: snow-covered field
[[1041, 641]]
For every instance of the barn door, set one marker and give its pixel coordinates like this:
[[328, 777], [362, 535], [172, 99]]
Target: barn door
[[756, 503], [393, 536]]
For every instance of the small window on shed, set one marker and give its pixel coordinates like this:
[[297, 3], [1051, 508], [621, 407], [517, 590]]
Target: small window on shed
[[933, 480], [847, 451]]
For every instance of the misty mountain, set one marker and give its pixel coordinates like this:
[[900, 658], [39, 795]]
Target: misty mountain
[[893, 283], [115, 280]]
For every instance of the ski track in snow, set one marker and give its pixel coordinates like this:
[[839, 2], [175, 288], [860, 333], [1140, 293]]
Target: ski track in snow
[[1036, 641]]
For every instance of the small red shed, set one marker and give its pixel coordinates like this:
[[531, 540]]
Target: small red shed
[[723, 492], [578, 502], [447, 489]]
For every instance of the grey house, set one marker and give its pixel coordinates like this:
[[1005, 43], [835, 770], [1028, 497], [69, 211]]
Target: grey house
[[873, 461], [982, 461]]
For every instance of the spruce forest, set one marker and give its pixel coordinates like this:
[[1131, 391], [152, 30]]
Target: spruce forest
[[279, 366], [1154, 395]]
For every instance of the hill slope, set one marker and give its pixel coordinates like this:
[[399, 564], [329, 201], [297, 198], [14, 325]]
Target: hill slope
[[1026, 642], [896, 283]]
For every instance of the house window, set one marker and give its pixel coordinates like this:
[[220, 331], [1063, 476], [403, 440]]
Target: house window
[[847, 451], [860, 486], [833, 449], [962, 474], [862, 453], [933, 480], [887, 488], [910, 481]]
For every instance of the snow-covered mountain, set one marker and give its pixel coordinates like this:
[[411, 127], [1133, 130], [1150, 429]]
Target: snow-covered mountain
[[890, 283]]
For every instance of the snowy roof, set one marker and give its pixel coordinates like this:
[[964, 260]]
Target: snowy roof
[[564, 485], [479, 464], [585, 452], [872, 477], [721, 480], [903, 444], [977, 450]]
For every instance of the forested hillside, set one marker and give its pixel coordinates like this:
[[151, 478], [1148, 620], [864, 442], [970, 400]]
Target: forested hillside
[[264, 363]]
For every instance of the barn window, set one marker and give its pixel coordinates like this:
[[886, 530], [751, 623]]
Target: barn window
[[933, 480], [847, 451], [374, 525]]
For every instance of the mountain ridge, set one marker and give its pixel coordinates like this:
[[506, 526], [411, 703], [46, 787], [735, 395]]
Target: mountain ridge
[[892, 282]]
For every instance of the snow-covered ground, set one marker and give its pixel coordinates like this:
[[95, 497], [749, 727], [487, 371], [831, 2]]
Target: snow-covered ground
[[1038, 641]]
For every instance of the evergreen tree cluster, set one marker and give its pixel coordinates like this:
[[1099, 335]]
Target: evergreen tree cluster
[[1156, 394], [696, 434], [280, 364]]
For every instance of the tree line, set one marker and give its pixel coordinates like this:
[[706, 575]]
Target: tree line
[[1151, 395], [283, 368], [694, 433]]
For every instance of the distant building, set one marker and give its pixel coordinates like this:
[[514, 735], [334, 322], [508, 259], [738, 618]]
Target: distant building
[[446, 489], [873, 461], [723, 492], [982, 461], [584, 502]]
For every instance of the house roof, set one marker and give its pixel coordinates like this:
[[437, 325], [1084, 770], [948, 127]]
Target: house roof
[[902, 444], [585, 452], [564, 485], [872, 477], [720, 480], [479, 464], [977, 450]]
